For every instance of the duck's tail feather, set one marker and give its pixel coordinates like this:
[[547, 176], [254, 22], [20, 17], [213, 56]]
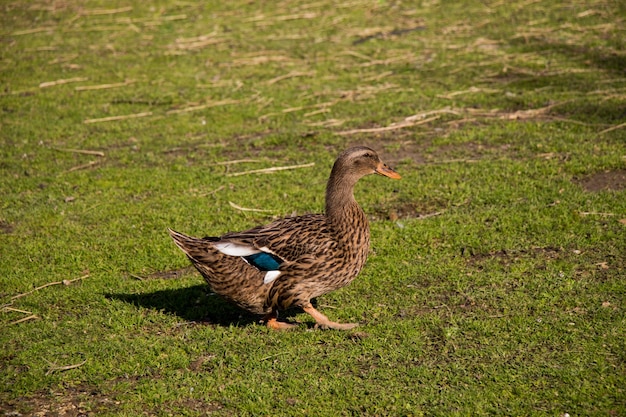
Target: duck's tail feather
[[181, 240], [193, 247]]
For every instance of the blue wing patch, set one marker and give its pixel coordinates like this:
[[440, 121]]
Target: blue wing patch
[[264, 261]]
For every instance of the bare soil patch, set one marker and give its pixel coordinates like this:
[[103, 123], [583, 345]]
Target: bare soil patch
[[6, 227], [603, 181], [72, 402]]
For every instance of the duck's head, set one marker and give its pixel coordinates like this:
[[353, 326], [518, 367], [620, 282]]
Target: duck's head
[[359, 161]]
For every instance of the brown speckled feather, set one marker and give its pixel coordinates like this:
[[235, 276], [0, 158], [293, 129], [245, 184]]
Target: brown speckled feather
[[318, 253]]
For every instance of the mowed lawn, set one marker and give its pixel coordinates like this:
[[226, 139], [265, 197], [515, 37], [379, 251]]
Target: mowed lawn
[[496, 281]]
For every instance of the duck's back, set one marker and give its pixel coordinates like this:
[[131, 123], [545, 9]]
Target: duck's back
[[290, 238]]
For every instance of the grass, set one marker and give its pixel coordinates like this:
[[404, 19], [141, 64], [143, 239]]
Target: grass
[[496, 282]]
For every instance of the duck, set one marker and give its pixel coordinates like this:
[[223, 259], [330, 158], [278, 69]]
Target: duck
[[295, 259]]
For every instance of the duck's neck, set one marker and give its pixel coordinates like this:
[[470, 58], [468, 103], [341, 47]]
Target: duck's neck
[[342, 211]]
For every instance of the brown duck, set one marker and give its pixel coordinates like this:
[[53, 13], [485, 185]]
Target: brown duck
[[295, 259]]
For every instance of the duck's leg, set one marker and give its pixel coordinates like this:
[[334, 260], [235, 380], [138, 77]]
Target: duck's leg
[[271, 321], [324, 322]]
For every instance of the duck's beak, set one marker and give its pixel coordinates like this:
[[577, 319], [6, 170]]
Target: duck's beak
[[383, 169]]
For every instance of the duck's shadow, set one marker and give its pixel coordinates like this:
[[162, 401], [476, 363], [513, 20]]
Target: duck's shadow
[[194, 304]]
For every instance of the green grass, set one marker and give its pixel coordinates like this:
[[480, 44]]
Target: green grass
[[497, 280]]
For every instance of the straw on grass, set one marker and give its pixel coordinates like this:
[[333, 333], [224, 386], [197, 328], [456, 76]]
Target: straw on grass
[[270, 170], [116, 118]]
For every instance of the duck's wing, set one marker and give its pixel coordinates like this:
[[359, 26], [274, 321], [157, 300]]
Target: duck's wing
[[284, 240]]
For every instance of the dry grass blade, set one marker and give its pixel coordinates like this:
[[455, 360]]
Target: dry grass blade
[[420, 116], [327, 123], [64, 282], [358, 55], [34, 30], [100, 12], [401, 125], [470, 90], [56, 368], [116, 118], [270, 170], [292, 74], [150, 21], [516, 115], [238, 161], [238, 207], [31, 317], [428, 215], [262, 19], [262, 59], [137, 277], [81, 151], [16, 310], [220, 188], [197, 42], [454, 161], [313, 113], [83, 166], [103, 28], [46, 84], [610, 129], [526, 114], [297, 16], [63, 58], [103, 86]]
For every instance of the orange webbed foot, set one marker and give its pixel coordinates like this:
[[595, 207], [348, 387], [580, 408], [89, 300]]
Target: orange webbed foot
[[271, 321], [324, 322]]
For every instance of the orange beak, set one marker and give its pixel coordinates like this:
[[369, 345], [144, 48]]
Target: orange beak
[[383, 169]]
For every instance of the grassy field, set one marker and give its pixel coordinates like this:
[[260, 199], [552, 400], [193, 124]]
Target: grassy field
[[496, 284]]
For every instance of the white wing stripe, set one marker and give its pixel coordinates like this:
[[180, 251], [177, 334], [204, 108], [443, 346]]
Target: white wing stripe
[[233, 249], [270, 276]]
